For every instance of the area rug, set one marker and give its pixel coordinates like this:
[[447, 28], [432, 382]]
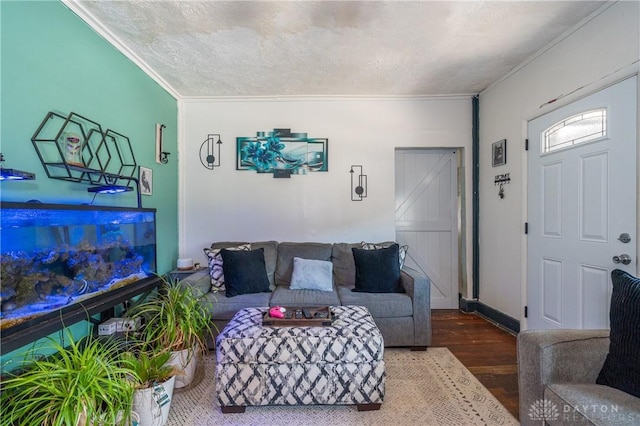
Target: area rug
[[422, 388]]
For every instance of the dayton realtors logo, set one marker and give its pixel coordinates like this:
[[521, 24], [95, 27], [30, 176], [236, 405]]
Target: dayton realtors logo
[[543, 410]]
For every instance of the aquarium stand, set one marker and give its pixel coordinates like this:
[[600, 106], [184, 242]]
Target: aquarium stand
[[29, 331]]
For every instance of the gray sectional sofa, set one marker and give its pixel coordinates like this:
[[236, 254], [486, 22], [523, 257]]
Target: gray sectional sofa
[[404, 319]]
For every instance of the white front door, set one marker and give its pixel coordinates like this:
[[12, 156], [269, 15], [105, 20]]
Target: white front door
[[426, 218], [581, 202]]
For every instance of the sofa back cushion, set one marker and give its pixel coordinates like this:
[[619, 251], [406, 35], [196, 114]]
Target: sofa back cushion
[[344, 268], [270, 254], [288, 250]]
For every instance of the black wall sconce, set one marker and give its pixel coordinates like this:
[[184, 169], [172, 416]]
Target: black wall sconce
[[161, 155], [502, 180], [207, 151], [358, 183], [13, 174]]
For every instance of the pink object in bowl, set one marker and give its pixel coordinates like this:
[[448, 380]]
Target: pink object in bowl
[[276, 312]]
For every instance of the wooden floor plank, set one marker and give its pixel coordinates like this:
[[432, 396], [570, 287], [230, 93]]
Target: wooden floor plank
[[487, 350]]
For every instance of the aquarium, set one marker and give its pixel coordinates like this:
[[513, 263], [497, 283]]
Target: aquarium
[[54, 256]]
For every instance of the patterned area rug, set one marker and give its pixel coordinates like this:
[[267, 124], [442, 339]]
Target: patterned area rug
[[422, 388]]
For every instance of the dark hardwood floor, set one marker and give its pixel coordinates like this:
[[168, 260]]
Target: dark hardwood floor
[[487, 350]]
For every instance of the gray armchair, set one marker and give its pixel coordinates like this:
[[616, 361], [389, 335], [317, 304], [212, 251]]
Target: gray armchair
[[557, 371]]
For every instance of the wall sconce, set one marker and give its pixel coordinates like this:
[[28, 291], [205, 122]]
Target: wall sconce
[[161, 156], [358, 184], [207, 149], [13, 174], [502, 180]]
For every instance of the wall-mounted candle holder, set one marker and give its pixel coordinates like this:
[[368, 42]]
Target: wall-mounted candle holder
[[358, 183], [501, 181], [161, 155], [207, 151]]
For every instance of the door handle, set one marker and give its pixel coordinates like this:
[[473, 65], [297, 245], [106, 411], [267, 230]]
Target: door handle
[[625, 259]]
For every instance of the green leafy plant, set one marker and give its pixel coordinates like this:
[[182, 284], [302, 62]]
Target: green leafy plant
[[148, 367], [83, 383], [176, 318]]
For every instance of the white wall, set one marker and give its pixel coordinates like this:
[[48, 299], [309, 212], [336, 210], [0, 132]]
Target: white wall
[[588, 57], [226, 204]]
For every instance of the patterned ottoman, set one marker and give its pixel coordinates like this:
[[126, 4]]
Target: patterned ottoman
[[337, 364]]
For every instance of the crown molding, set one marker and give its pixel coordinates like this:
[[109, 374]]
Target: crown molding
[[326, 98]]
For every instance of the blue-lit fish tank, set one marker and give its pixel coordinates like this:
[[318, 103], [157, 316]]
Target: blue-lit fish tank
[[54, 256]]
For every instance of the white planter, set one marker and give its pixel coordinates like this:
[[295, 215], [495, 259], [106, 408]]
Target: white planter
[[185, 362], [148, 410]]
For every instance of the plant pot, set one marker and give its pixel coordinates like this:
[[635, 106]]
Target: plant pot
[[133, 417], [146, 407], [185, 362]]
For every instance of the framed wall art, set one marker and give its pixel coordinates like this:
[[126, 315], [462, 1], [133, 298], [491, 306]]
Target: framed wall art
[[146, 181], [282, 153], [499, 153]]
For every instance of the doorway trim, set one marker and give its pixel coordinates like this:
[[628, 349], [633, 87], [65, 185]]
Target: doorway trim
[[552, 105]]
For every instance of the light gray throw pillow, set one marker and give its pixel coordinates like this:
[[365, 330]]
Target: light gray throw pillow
[[311, 274]]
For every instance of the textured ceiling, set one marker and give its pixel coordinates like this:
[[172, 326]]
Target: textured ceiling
[[352, 48]]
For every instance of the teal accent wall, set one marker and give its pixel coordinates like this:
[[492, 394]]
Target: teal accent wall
[[51, 60]]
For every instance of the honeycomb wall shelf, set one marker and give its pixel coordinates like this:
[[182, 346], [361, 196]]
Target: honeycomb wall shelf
[[74, 148]]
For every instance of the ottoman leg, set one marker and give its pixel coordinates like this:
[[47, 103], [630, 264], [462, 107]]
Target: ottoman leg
[[231, 409], [368, 407]]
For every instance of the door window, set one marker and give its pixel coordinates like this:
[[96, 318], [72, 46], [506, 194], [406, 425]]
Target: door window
[[575, 130]]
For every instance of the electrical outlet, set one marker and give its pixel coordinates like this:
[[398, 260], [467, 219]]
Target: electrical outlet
[[128, 324], [108, 327]]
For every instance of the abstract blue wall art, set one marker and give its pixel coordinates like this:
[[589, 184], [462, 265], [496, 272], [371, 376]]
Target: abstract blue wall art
[[282, 153]]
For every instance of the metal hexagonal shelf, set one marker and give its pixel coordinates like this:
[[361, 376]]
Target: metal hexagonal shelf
[[75, 149], [123, 162], [60, 143]]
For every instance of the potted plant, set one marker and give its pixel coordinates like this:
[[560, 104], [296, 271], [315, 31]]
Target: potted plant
[[176, 319], [83, 383], [154, 381]]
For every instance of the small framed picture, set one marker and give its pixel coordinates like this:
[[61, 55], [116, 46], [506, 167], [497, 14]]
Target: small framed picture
[[499, 153], [146, 181]]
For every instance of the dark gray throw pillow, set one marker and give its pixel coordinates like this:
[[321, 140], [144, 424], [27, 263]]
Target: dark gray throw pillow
[[377, 271], [621, 369], [244, 272]]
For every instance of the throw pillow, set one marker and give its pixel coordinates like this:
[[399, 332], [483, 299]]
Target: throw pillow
[[312, 274], [244, 271], [621, 369], [377, 271], [216, 272], [402, 253]]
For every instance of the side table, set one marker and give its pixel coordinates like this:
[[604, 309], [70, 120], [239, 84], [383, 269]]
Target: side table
[[178, 274]]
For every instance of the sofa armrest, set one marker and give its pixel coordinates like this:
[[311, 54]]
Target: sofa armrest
[[199, 281], [557, 356], [418, 287]]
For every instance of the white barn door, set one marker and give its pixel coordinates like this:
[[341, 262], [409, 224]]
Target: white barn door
[[581, 204], [426, 218]]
